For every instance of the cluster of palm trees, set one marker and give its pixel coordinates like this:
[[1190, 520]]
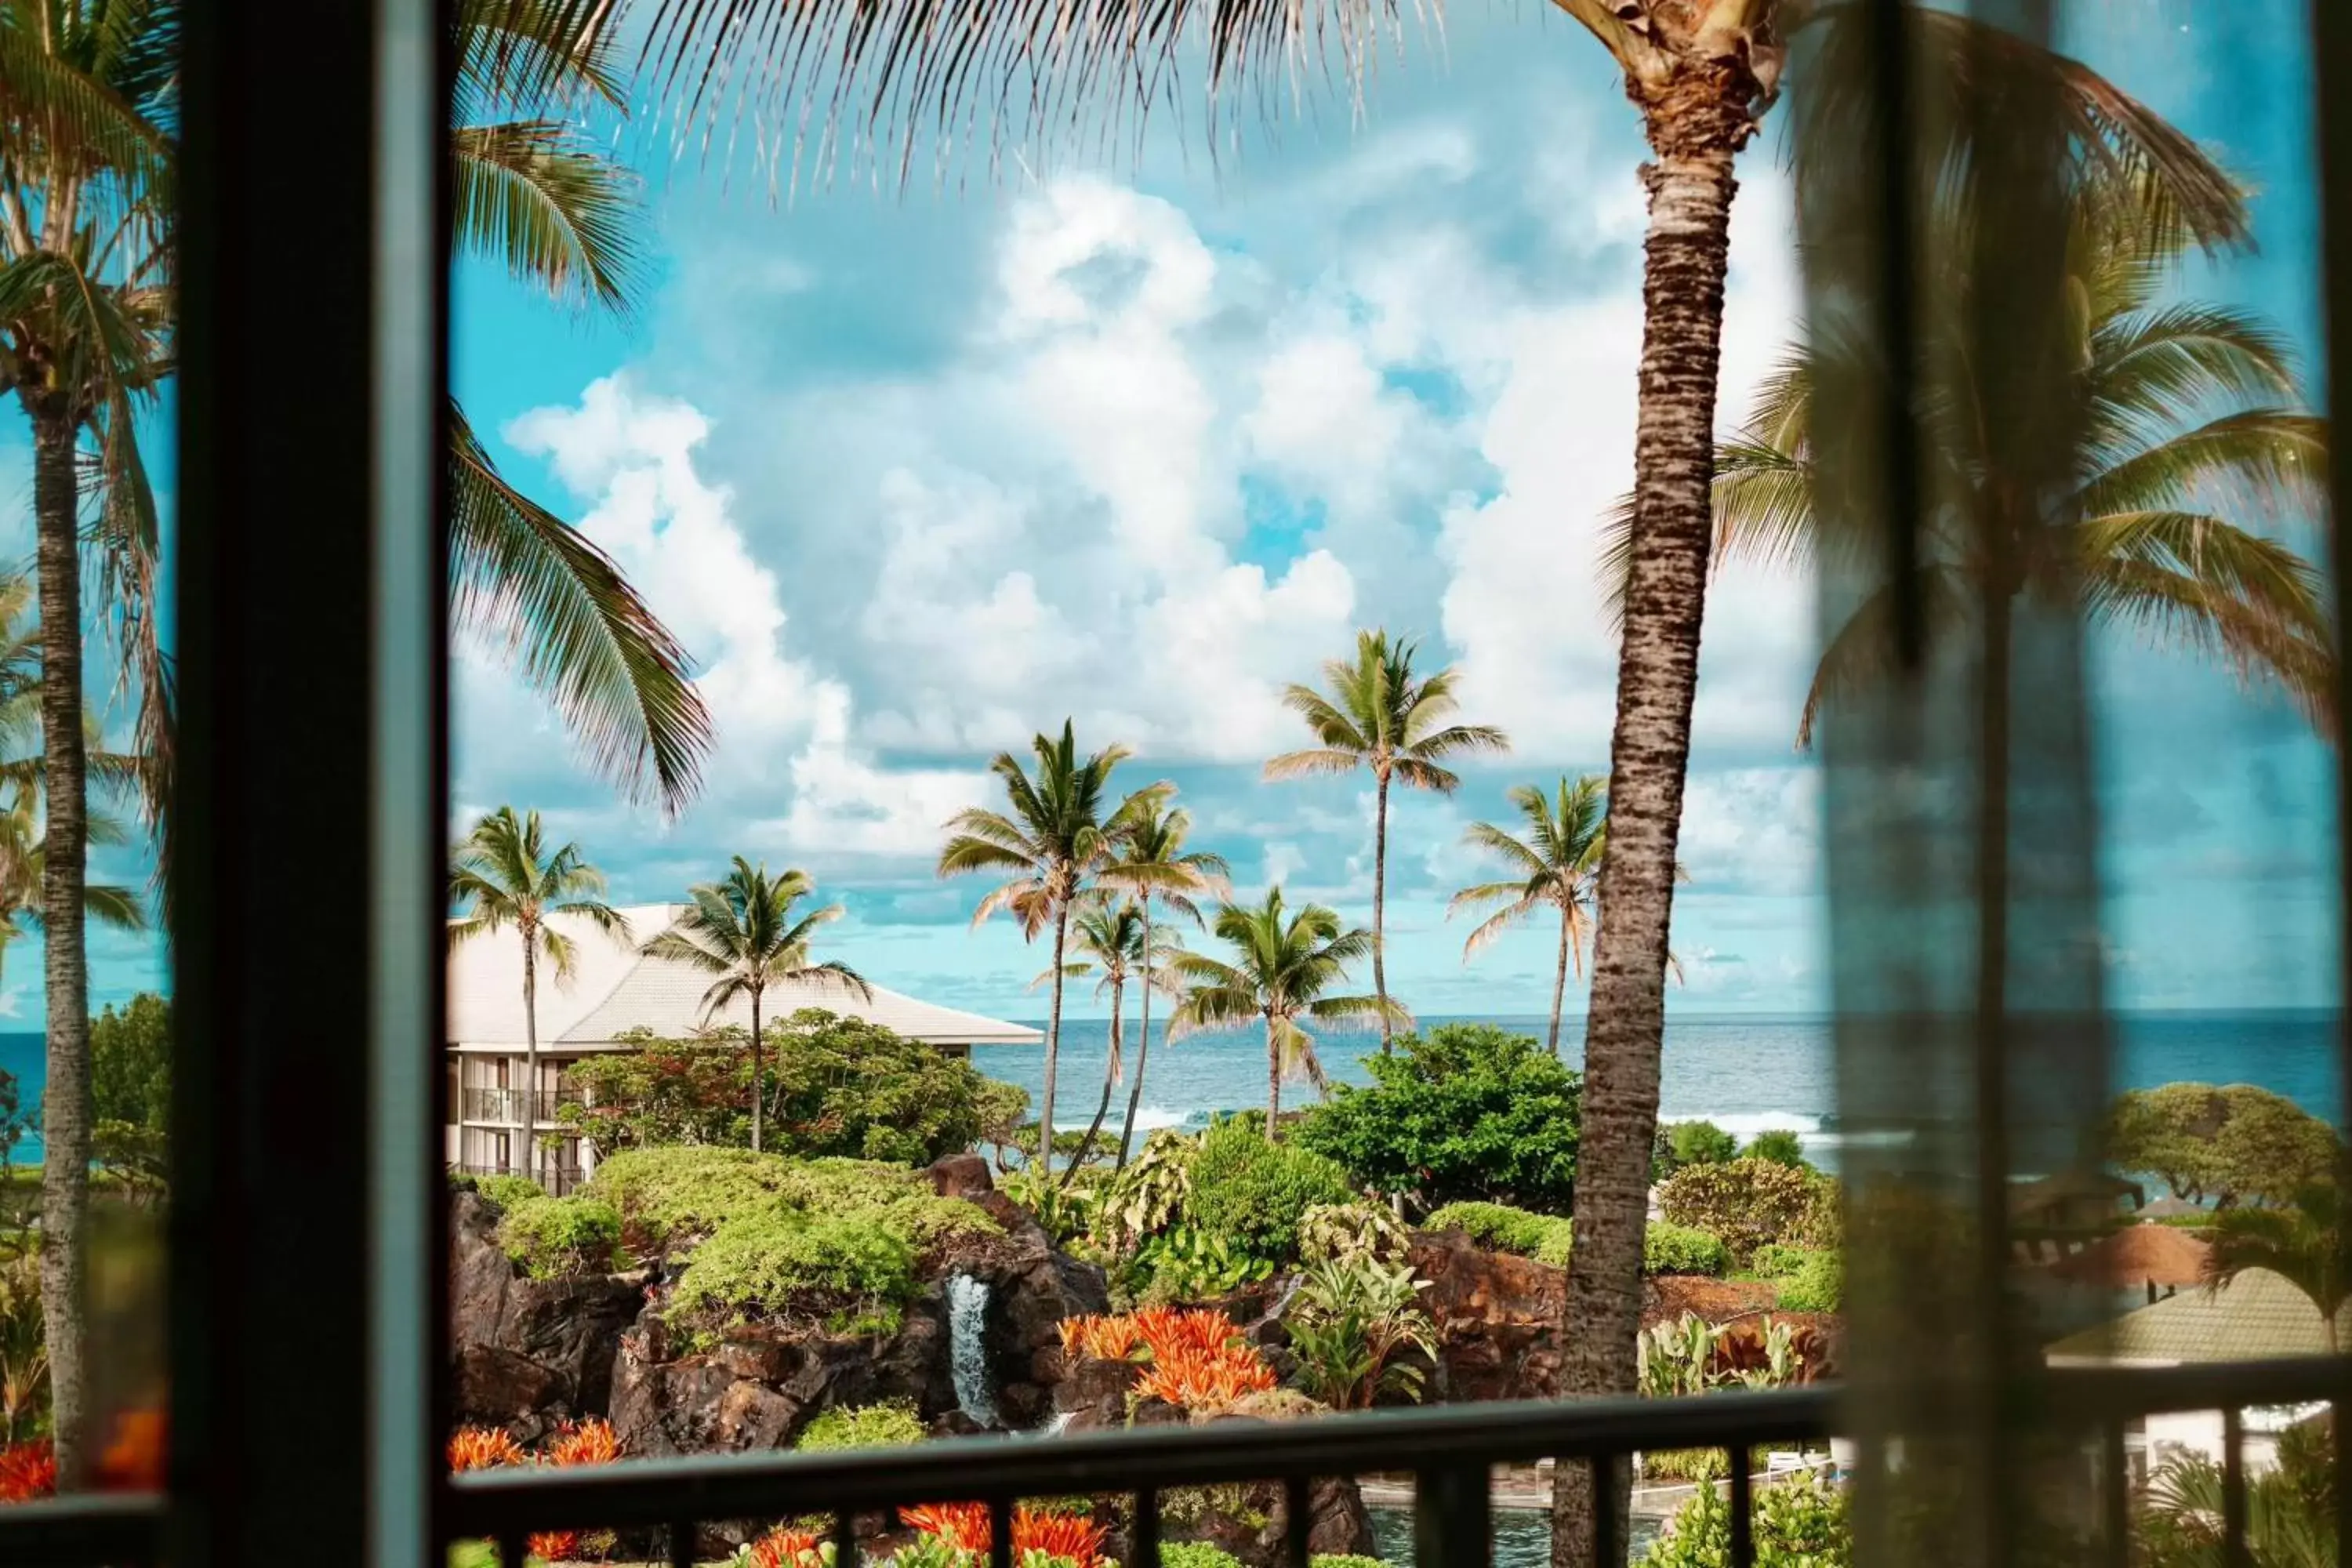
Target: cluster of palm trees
[[1087, 864], [741, 931]]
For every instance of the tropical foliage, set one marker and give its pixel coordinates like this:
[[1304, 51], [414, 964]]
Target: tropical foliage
[[1751, 1202], [1285, 968], [1359, 1332], [2302, 1243], [1058, 832], [1800, 1523], [1465, 1112], [1116, 943], [1153, 864], [2229, 1145], [1378, 714], [130, 1091], [503, 875], [2290, 1508], [741, 932], [1555, 863]]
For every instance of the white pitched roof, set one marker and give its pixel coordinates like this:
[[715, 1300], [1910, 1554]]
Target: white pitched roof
[[614, 989]]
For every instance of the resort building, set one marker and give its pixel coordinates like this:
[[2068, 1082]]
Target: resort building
[[613, 991]]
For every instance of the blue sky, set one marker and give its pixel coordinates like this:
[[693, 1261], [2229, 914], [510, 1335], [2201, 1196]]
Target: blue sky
[[1138, 440]]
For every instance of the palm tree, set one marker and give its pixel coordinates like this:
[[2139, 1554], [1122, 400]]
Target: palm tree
[[2194, 416], [1055, 837], [1559, 863], [1284, 965], [531, 189], [1556, 863], [1379, 715], [1118, 941], [502, 874], [1152, 863], [2302, 1242], [742, 930]]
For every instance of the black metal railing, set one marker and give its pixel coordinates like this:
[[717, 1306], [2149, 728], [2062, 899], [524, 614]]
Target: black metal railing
[[506, 1104], [1449, 1450]]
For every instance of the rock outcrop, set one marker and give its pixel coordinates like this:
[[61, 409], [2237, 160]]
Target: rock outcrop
[[529, 1348], [1499, 1320]]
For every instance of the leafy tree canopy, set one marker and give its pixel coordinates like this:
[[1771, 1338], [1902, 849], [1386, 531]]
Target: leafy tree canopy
[[131, 1087], [1464, 1112], [2229, 1145], [1684, 1143]]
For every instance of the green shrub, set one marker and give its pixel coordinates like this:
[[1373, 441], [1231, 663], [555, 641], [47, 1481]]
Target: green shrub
[[1343, 1560], [1680, 1143], [1780, 1146], [891, 1426], [1797, 1524], [684, 1193], [1778, 1260], [1253, 1193], [1751, 1204], [1200, 1554], [783, 1262], [1680, 1250], [1185, 1263], [1818, 1286], [553, 1236], [509, 1191], [1467, 1112]]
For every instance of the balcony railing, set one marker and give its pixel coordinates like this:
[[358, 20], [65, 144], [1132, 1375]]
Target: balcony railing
[[1450, 1451], [506, 1104], [559, 1180]]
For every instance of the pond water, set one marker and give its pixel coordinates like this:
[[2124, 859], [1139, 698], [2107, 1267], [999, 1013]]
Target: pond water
[[1522, 1536]]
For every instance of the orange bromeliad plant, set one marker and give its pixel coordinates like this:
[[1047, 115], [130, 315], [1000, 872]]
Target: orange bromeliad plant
[[591, 1442], [28, 1471], [1099, 1338], [1068, 1536], [1206, 1380], [482, 1448], [783, 1548], [1159, 1332], [133, 1462]]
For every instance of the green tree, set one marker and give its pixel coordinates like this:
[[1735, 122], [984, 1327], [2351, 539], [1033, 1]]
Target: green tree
[[1682, 1144], [1378, 714], [1778, 1145], [1116, 942], [2232, 1144], [1152, 863], [1466, 1112], [2302, 1243], [131, 1087], [502, 875], [1557, 864], [1060, 831], [741, 931], [1285, 966]]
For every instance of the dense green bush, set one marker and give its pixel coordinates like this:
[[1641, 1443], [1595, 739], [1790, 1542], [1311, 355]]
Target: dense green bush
[[853, 1270], [1797, 1524], [671, 1197], [1345, 1560], [1200, 1554], [130, 1091], [1751, 1204], [1778, 1260], [1253, 1193], [1817, 1286], [835, 1086], [1665, 1248], [891, 1426], [1467, 1112], [548, 1237], [1778, 1145], [509, 1191], [1680, 1143], [1680, 1250]]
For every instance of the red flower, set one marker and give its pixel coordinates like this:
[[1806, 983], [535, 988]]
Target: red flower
[[27, 1471]]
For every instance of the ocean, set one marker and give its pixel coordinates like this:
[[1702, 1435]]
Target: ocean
[[1745, 1074]]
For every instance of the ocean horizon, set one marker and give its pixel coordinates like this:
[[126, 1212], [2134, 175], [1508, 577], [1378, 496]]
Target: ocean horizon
[[1744, 1073]]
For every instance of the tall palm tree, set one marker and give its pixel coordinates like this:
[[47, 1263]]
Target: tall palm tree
[[502, 875], [2196, 432], [1152, 863], [2302, 1242], [1557, 864], [1116, 942], [741, 930], [1378, 714], [1285, 964], [1058, 833]]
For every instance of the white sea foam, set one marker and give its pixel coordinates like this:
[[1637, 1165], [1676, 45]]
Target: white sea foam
[[1746, 1125]]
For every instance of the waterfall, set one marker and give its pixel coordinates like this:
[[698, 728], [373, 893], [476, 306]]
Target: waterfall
[[968, 1348]]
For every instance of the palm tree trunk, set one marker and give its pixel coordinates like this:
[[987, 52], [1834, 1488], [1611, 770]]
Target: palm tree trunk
[[1110, 1078], [1380, 911], [1142, 1045], [1690, 190], [1559, 980], [757, 1098], [1053, 1043], [1272, 1081], [524, 1163], [66, 1097]]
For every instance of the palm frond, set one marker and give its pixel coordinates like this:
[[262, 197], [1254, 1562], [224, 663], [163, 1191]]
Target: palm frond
[[536, 198], [1307, 765]]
